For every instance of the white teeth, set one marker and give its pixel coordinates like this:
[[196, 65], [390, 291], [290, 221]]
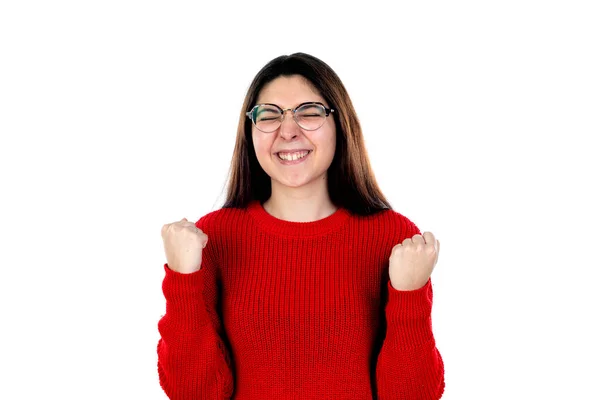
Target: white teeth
[[293, 156]]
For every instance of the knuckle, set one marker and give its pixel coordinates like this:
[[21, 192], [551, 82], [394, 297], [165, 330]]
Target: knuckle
[[397, 250]]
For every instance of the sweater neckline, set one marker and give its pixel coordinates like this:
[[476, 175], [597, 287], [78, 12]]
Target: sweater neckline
[[297, 229]]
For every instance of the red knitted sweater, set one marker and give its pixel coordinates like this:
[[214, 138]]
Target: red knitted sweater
[[297, 310]]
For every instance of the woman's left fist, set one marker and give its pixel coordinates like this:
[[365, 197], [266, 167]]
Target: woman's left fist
[[412, 261]]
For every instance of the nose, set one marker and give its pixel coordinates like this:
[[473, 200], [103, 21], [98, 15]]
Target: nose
[[289, 128]]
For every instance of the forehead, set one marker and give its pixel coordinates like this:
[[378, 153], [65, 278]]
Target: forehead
[[289, 91]]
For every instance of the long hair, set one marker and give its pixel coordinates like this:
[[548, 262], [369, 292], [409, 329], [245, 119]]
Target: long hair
[[350, 180]]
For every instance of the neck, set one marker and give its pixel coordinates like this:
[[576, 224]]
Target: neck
[[299, 204]]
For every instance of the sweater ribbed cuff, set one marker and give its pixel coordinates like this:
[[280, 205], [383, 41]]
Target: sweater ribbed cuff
[[408, 316], [185, 310], [409, 304]]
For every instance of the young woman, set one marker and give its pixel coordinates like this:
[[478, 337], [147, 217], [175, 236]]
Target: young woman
[[306, 284]]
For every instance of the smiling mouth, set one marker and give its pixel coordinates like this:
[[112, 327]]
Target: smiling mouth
[[294, 156]]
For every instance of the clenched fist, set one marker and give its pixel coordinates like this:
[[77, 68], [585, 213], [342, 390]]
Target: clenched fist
[[183, 246], [412, 261]]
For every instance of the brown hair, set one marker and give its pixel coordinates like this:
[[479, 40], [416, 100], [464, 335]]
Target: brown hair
[[350, 180]]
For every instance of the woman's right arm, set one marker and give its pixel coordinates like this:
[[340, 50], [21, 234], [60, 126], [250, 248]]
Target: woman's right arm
[[193, 361]]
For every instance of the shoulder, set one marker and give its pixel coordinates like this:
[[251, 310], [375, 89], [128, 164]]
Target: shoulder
[[219, 220], [221, 226], [406, 225], [391, 223]]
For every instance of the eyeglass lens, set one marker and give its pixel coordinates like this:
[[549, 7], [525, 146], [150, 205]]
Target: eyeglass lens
[[309, 116]]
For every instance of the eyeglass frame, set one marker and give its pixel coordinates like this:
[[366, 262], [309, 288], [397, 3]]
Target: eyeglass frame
[[328, 112]]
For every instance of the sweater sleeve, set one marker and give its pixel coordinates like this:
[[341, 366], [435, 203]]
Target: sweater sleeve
[[409, 365], [193, 361]]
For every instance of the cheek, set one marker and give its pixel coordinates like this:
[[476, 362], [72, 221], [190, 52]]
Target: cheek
[[330, 139], [261, 146]]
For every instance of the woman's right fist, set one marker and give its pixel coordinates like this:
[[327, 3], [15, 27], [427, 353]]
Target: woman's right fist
[[183, 246]]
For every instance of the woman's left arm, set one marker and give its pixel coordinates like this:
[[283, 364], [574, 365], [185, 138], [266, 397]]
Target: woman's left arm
[[409, 365]]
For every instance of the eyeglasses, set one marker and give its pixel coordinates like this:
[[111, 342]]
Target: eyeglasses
[[309, 116]]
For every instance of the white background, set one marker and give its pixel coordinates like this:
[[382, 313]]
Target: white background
[[480, 118]]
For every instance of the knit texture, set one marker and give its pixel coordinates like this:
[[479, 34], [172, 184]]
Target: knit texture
[[297, 310]]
